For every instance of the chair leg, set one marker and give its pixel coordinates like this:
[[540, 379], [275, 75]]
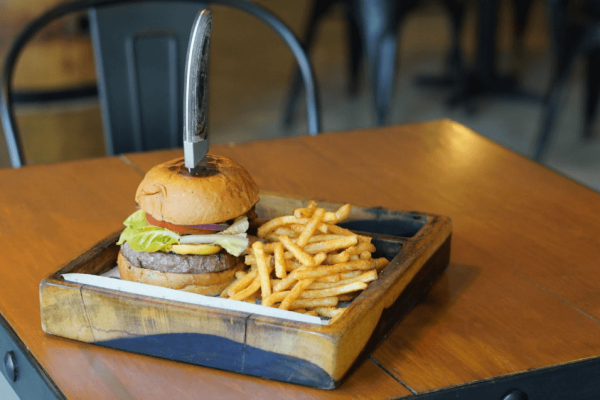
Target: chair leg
[[522, 10], [457, 11], [385, 78], [319, 9], [378, 22], [552, 101], [592, 91], [566, 42], [550, 108], [355, 50]]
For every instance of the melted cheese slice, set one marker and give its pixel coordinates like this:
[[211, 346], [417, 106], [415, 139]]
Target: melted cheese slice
[[202, 249]]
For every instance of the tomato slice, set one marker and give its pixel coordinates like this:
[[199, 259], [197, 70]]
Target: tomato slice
[[187, 230]]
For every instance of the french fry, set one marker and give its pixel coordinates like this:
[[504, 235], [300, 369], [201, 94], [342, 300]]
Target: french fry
[[251, 260], [359, 248], [280, 263], [275, 223], [337, 317], [245, 293], [310, 227], [322, 238], [272, 225], [354, 257], [284, 231], [349, 274], [242, 283], [295, 293], [313, 303], [269, 248], [379, 263], [287, 282], [339, 276], [240, 274], [338, 230], [263, 269], [366, 277], [291, 265], [275, 297], [337, 258], [340, 215], [346, 296], [302, 256], [252, 298], [224, 292], [365, 255], [334, 291], [306, 212], [328, 312], [329, 278], [332, 269], [272, 237], [298, 228], [319, 258], [331, 245]]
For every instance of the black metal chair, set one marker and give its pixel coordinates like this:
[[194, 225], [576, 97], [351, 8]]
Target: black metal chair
[[575, 32], [372, 32], [140, 47], [481, 79]]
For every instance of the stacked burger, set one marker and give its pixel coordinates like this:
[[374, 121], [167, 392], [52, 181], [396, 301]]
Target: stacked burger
[[191, 229]]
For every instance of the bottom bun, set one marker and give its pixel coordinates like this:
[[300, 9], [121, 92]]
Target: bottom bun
[[206, 283]]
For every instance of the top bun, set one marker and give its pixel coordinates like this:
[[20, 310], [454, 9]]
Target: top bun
[[223, 192]]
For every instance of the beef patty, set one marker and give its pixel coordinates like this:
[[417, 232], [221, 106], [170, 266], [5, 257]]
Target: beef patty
[[180, 263]]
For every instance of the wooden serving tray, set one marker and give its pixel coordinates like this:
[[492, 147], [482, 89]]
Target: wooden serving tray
[[417, 244]]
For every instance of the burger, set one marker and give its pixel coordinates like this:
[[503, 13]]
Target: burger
[[190, 230]]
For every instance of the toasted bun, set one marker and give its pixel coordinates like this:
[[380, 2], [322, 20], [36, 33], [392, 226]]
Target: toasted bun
[[207, 283], [170, 194]]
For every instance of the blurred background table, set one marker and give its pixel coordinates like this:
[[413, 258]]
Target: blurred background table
[[517, 308]]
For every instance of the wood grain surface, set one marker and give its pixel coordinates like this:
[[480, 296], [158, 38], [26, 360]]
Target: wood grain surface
[[520, 292]]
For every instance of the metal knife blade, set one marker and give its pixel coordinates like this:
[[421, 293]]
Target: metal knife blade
[[195, 103]]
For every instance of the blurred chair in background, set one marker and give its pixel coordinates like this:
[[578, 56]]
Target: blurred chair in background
[[482, 78], [140, 48], [372, 31], [373, 27], [575, 32]]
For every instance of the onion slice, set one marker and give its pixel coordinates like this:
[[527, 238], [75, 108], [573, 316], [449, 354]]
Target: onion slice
[[210, 227]]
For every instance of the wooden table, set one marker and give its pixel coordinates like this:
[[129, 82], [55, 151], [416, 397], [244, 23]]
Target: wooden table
[[518, 308]]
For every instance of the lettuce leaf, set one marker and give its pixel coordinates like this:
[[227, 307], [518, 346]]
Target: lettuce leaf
[[152, 239], [142, 237], [240, 225], [134, 224]]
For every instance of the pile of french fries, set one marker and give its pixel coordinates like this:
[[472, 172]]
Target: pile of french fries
[[306, 263]]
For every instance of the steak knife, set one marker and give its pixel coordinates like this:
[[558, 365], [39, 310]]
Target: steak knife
[[195, 102]]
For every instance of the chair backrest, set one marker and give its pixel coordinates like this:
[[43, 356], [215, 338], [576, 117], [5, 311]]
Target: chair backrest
[[140, 48], [140, 59]]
